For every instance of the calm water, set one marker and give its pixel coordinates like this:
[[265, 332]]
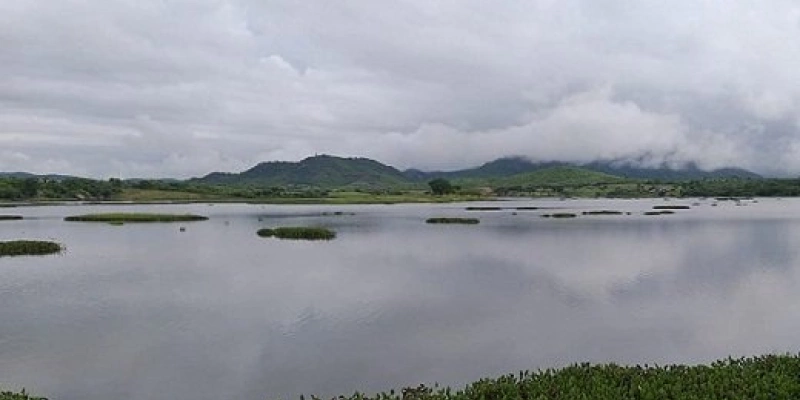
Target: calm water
[[148, 312]]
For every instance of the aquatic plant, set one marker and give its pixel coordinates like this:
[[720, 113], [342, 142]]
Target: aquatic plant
[[452, 220], [298, 233], [135, 217], [671, 207], [29, 248], [475, 208], [10, 217]]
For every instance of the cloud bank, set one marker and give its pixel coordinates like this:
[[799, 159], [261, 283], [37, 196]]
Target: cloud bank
[[181, 88]]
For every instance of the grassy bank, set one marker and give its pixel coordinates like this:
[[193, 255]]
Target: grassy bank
[[135, 217], [766, 377], [298, 233], [28, 248]]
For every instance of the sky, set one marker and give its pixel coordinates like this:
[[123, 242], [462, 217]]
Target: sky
[[181, 88]]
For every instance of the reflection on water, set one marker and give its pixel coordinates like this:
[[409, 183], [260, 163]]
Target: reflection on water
[[147, 311]]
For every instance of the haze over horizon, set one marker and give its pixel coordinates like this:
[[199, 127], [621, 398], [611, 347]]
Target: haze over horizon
[[179, 88]]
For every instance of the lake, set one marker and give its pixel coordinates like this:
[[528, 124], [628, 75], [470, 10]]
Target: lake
[[145, 311]]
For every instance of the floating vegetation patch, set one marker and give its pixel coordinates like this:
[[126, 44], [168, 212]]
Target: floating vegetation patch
[[528, 208], [484, 208], [560, 215], [602, 212], [337, 213], [453, 220], [671, 207], [10, 217], [135, 217], [298, 233], [29, 248], [663, 212]]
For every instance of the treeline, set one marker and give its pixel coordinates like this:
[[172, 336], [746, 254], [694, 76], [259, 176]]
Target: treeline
[[37, 188], [68, 189], [741, 188]]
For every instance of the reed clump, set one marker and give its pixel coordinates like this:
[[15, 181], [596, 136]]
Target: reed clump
[[298, 233]]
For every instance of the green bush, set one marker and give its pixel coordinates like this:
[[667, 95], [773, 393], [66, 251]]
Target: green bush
[[298, 233], [135, 217], [29, 248]]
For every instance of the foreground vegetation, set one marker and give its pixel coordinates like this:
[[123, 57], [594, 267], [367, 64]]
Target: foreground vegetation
[[773, 377], [29, 248], [18, 396], [135, 217], [298, 233]]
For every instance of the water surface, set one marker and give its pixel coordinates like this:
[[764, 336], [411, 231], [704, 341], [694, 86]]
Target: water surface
[[146, 311]]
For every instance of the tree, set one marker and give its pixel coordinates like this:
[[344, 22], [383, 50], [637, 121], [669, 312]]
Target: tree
[[441, 186]]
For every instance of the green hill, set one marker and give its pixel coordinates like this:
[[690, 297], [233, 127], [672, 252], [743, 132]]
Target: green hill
[[319, 171]]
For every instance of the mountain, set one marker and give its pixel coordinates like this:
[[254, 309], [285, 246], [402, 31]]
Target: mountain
[[320, 171], [516, 165]]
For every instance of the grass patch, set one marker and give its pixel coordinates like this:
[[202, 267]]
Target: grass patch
[[10, 217], [135, 217], [602, 212], [671, 207], [29, 248], [298, 233], [450, 220]]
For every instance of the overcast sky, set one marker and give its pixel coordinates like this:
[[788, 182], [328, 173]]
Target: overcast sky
[[178, 88]]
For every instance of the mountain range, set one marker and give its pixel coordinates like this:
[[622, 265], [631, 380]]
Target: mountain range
[[331, 171]]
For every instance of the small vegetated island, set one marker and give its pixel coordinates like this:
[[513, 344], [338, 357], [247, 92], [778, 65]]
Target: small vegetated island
[[29, 248], [453, 220], [135, 217], [298, 233]]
